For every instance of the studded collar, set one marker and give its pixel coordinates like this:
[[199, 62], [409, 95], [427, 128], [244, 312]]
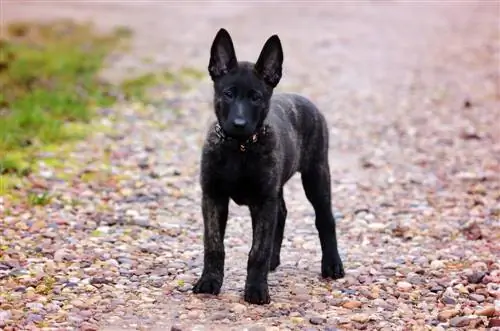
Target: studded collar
[[243, 145]]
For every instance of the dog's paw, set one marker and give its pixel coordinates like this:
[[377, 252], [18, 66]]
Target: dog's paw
[[332, 268], [257, 294], [275, 262], [207, 284]]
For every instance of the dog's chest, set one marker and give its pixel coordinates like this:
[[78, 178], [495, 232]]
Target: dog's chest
[[241, 178]]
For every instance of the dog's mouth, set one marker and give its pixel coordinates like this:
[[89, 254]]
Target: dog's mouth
[[240, 134]]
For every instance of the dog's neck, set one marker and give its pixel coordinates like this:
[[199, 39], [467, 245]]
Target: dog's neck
[[243, 145]]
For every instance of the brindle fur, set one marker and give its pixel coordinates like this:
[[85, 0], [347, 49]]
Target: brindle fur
[[292, 136]]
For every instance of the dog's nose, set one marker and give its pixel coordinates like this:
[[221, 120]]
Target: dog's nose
[[239, 123]]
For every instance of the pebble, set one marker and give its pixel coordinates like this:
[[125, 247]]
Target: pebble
[[486, 311], [315, 320], [437, 264], [448, 300], [459, 321], [494, 323], [352, 304], [390, 265], [88, 327], [436, 288], [422, 260], [360, 318], [238, 308], [5, 315], [476, 277], [477, 297], [60, 255], [445, 315], [34, 318], [35, 306], [404, 286], [377, 226]]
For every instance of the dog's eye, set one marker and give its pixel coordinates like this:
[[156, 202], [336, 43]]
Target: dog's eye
[[256, 97], [228, 94]]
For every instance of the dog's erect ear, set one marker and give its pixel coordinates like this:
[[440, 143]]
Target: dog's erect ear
[[270, 62], [222, 55]]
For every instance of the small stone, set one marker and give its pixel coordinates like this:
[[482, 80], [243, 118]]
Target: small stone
[[338, 215], [175, 328], [404, 286], [34, 306], [219, 316], [257, 328], [462, 289], [100, 280], [476, 277], [448, 300], [86, 326], [486, 311], [445, 315], [59, 255], [5, 315], [78, 303], [416, 280], [238, 308], [34, 318], [479, 266], [377, 226], [352, 304], [360, 318], [422, 260], [459, 321], [494, 322], [493, 289], [477, 297], [390, 265], [316, 320], [436, 288], [437, 264], [132, 213]]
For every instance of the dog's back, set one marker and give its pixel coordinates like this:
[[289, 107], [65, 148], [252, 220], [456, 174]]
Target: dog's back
[[301, 127]]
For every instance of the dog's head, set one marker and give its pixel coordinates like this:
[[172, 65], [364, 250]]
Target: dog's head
[[243, 89]]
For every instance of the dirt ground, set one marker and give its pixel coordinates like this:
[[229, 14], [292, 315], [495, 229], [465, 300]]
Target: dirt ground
[[412, 95]]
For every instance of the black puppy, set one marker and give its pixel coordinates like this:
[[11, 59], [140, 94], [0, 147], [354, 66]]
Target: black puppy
[[257, 143]]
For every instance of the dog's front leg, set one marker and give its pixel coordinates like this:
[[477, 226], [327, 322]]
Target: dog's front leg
[[263, 224], [214, 210]]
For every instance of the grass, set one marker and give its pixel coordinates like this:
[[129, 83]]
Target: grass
[[137, 87], [49, 91], [39, 199], [141, 86], [48, 84]]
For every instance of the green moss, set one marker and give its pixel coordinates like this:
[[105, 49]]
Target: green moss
[[192, 73], [7, 183], [14, 163], [49, 91], [39, 199], [137, 87], [49, 84], [97, 233]]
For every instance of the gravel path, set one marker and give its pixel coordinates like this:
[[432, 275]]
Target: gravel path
[[413, 99]]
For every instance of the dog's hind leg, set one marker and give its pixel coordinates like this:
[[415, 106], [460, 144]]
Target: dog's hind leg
[[278, 235], [316, 182]]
